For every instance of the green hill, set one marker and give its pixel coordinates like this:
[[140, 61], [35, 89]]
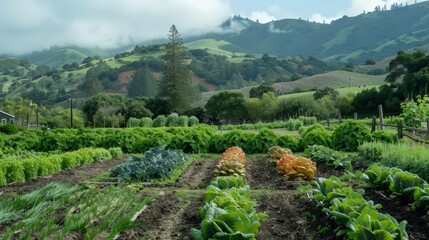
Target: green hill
[[375, 35], [334, 79]]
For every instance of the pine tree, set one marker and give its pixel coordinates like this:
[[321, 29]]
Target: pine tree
[[175, 85], [142, 84]]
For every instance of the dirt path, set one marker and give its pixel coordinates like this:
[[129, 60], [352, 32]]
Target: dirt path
[[198, 175], [74, 176]]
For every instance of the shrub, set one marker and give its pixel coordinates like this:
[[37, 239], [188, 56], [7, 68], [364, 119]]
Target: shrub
[[146, 122], [172, 120], [133, 122], [10, 128], [348, 135], [384, 136], [182, 121], [193, 121], [262, 141], [159, 121], [315, 135], [288, 141], [13, 170]]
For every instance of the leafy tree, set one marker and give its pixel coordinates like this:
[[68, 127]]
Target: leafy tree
[[257, 92], [142, 84], [59, 117], [253, 106], [226, 106], [104, 106], [327, 91], [175, 85], [414, 68], [135, 108]]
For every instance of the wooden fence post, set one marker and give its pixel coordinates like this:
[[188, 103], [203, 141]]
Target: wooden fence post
[[374, 123], [427, 123], [400, 135], [339, 117], [380, 112], [327, 120], [355, 115]]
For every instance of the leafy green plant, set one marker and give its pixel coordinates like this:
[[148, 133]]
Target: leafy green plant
[[228, 182], [182, 121], [288, 141], [349, 135], [172, 120], [228, 213], [384, 136], [315, 134], [415, 114], [262, 141], [156, 163], [134, 122], [328, 156]]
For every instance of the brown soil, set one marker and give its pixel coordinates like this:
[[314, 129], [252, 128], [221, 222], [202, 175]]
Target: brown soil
[[75, 176]]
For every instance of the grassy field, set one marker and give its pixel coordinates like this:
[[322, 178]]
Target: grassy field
[[334, 79], [342, 91]]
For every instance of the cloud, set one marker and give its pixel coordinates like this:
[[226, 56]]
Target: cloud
[[261, 16], [357, 7], [27, 25]]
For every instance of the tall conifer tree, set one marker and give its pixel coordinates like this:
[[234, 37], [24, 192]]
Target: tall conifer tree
[[175, 85]]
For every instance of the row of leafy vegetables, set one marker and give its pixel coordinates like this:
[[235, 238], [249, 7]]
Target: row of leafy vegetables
[[357, 217], [228, 211], [408, 185]]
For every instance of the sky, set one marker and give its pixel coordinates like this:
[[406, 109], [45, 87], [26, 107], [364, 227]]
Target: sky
[[29, 25]]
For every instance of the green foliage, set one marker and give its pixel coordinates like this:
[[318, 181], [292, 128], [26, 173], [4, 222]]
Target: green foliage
[[10, 128], [288, 141], [175, 85], [357, 217], [172, 120], [228, 182], [262, 141], [146, 122], [226, 106], [415, 114], [405, 184], [155, 164], [134, 122], [116, 152], [183, 121], [412, 158], [228, 213], [384, 136], [349, 135], [193, 121], [315, 134], [159, 121], [328, 157]]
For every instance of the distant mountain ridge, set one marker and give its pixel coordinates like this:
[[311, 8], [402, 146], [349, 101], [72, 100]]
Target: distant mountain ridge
[[374, 35]]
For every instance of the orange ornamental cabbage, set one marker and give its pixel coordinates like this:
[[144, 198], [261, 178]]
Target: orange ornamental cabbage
[[283, 162], [234, 154], [277, 152], [300, 167]]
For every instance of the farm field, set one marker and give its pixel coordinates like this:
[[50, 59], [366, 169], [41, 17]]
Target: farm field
[[174, 210]]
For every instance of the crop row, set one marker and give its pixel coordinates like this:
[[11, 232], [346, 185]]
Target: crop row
[[358, 218], [228, 211], [402, 183], [412, 158], [62, 211], [20, 170]]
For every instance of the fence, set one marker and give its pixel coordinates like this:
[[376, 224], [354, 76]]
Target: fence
[[374, 124]]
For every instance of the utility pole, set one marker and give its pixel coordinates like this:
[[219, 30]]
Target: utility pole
[[71, 112]]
